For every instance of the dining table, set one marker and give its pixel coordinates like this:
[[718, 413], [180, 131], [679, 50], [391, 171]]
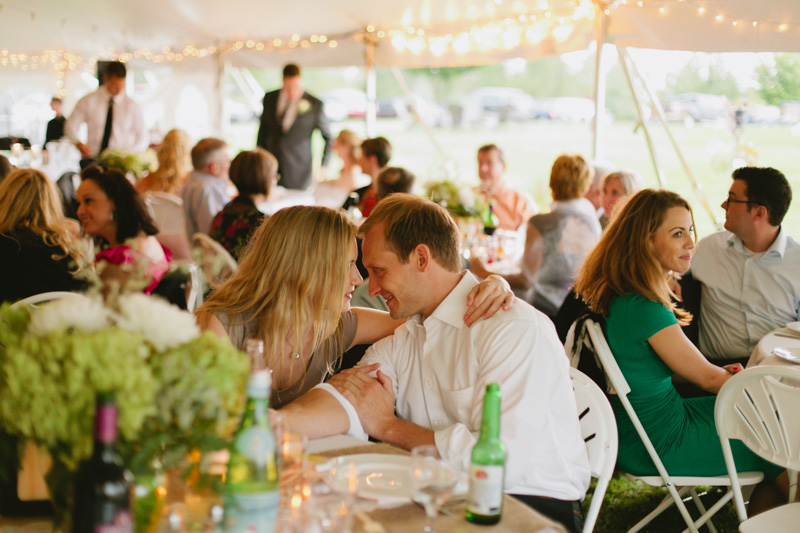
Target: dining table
[[370, 516], [773, 348]]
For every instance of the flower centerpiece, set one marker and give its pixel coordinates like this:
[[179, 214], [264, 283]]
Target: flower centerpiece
[[126, 161], [460, 200], [177, 390]]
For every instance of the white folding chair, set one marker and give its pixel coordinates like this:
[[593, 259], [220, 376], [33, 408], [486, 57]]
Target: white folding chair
[[46, 297], [599, 432], [759, 407], [676, 485], [215, 263]]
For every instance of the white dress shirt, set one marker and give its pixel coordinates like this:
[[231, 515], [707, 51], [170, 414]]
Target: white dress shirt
[[203, 197], [127, 129], [440, 369], [744, 295]]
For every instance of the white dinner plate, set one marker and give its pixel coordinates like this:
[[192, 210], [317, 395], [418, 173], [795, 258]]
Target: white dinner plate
[[794, 326], [789, 354], [382, 477]]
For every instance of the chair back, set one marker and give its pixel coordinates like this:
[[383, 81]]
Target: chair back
[[599, 432], [214, 261], [167, 211], [46, 297], [759, 407]]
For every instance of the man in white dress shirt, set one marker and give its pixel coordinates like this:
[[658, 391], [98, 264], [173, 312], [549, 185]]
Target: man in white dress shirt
[[113, 120], [750, 273], [434, 370], [205, 192]]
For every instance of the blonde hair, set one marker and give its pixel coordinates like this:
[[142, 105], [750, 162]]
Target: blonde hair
[[29, 200], [623, 261], [351, 139], [174, 163], [630, 181], [570, 177], [292, 278]]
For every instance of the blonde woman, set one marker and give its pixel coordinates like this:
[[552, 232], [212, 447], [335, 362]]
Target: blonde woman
[[625, 279], [333, 193], [293, 290], [38, 245], [174, 164]]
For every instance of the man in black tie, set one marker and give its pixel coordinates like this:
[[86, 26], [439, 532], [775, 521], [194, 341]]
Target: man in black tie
[[113, 120], [290, 117]]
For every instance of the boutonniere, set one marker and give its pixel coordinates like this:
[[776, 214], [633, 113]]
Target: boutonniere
[[303, 106]]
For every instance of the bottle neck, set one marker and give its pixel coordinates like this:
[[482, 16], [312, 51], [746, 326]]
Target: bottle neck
[[490, 423], [105, 426]]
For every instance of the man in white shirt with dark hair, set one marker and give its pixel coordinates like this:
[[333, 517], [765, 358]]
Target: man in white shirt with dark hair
[[112, 119], [750, 273], [434, 370]]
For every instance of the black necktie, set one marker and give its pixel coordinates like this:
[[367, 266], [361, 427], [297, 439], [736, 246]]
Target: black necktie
[[107, 130]]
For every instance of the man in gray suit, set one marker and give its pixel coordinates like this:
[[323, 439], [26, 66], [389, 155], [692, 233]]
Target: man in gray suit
[[290, 117]]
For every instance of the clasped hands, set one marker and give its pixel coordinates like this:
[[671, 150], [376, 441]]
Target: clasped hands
[[372, 397]]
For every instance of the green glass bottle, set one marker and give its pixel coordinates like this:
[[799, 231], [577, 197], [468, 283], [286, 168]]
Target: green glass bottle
[[487, 467], [252, 495], [489, 219]]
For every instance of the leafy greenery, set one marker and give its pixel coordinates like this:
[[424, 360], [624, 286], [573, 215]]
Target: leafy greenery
[[126, 161], [781, 81], [702, 77], [460, 200]]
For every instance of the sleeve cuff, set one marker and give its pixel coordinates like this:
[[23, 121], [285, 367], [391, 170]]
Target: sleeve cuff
[[355, 429]]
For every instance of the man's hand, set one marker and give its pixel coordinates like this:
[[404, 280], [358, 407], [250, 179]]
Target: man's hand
[[84, 149], [372, 397], [486, 298]]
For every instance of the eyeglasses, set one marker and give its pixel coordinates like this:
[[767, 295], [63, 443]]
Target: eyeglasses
[[730, 200]]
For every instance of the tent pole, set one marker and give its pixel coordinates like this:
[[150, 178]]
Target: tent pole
[[218, 124], [697, 186], [601, 26], [370, 116], [640, 121]]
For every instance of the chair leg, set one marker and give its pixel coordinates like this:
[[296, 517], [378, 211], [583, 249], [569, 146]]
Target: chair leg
[[663, 506], [704, 515]]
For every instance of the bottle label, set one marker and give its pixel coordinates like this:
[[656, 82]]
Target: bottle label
[[485, 495], [106, 424], [122, 524]]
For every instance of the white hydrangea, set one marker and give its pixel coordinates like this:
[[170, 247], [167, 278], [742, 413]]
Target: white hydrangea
[[466, 197], [78, 312], [164, 325]]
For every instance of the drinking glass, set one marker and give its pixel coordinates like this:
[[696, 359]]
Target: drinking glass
[[432, 482]]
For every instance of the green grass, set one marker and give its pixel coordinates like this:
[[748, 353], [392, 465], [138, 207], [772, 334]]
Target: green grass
[[531, 148], [626, 502]]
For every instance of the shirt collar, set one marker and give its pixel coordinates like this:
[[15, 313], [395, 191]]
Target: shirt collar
[[776, 249]]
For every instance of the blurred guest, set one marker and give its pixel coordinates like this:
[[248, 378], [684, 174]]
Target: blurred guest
[[5, 167], [114, 214], [40, 248], [293, 290], [556, 242], [375, 155], [594, 194], [205, 194], [290, 117], [254, 174], [113, 119], [513, 208], [333, 193], [174, 164], [616, 185], [55, 127], [625, 279], [394, 179]]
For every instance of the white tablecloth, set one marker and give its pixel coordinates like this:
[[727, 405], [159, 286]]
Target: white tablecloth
[[762, 354]]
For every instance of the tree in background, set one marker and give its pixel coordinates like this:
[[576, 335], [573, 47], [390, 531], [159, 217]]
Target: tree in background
[[780, 81], [701, 77]]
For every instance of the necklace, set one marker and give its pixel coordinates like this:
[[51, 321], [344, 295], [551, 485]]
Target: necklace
[[295, 356]]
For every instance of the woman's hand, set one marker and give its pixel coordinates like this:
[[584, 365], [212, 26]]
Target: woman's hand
[[487, 297], [477, 268], [734, 368]]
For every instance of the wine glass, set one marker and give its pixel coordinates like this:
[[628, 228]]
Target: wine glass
[[432, 482]]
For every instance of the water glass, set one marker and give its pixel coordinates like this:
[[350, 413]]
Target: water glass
[[432, 482]]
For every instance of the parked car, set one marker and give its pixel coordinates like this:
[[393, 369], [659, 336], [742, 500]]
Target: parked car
[[697, 107], [507, 103], [344, 103]]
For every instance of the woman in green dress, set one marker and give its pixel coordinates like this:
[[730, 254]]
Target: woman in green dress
[[626, 279]]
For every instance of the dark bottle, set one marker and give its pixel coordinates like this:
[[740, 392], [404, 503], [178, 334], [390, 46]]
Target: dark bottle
[[103, 484], [489, 219], [487, 465]]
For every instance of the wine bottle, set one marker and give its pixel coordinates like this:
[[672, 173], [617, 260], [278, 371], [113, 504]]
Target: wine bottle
[[103, 484], [489, 219], [487, 466], [252, 495]]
